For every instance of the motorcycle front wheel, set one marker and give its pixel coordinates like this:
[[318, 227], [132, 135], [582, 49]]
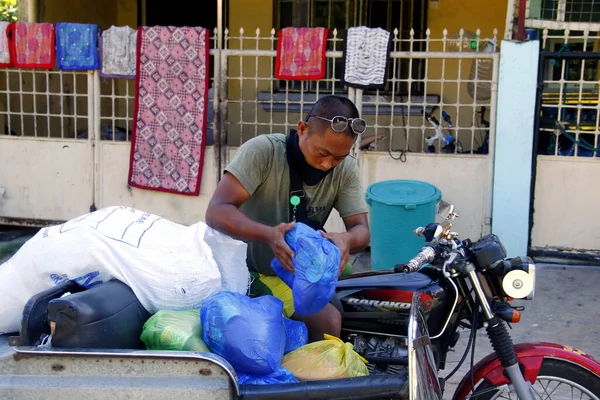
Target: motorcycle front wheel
[[557, 380]]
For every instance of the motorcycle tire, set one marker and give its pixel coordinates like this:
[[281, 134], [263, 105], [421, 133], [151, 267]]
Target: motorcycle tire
[[551, 369]]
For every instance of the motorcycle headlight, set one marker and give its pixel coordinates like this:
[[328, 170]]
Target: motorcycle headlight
[[519, 280]]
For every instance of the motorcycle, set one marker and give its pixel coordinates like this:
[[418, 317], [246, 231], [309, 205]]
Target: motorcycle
[[404, 322]]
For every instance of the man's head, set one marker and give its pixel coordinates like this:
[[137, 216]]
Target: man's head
[[329, 131]]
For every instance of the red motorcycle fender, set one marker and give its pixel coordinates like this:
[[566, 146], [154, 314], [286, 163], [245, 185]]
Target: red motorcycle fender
[[530, 356]]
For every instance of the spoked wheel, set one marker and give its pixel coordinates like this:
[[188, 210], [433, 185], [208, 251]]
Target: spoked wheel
[[557, 380]]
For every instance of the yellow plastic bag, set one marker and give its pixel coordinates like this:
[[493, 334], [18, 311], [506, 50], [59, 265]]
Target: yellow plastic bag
[[174, 330], [326, 359]]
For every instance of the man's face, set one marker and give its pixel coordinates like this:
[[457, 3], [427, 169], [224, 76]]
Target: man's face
[[323, 148]]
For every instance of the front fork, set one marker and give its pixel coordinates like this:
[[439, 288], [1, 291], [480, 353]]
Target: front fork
[[500, 339]]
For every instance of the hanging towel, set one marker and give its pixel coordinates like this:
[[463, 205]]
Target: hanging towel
[[32, 45], [118, 47], [5, 59], [366, 54], [168, 141], [77, 46], [301, 53]]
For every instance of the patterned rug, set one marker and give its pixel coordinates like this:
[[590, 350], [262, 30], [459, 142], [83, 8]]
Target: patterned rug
[[167, 150], [366, 55], [301, 53]]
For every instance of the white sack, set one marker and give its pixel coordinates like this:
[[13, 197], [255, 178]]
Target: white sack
[[167, 265]]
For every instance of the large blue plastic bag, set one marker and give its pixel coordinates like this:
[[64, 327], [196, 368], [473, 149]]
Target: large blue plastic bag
[[282, 375], [296, 334], [249, 333], [316, 266]]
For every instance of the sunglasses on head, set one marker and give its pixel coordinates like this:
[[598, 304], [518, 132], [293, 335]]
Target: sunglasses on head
[[340, 123]]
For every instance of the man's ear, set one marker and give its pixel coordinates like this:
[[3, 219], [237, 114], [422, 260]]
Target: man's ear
[[302, 128]]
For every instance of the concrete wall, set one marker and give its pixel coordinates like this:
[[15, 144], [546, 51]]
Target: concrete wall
[[54, 180], [45, 179], [566, 210]]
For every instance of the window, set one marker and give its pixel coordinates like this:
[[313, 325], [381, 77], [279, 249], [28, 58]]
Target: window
[[403, 15], [566, 10]]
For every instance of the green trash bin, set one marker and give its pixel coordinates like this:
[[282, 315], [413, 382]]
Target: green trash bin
[[397, 208]]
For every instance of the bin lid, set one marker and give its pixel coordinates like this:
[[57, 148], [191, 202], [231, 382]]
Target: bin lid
[[403, 192]]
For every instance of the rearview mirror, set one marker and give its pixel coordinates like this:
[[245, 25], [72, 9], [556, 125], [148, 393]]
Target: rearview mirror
[[444, 209]]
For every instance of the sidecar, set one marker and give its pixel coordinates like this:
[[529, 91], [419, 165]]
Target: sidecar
[[30, 371]]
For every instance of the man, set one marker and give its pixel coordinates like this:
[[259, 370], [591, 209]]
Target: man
[[252, 200]]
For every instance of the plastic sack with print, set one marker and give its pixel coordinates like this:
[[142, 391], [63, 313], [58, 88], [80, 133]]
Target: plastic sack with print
[[316, 266]]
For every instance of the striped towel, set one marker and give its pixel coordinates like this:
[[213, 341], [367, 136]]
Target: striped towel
[[366, 52]]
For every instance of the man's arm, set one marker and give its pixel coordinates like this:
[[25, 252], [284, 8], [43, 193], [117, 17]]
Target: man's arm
[[357, 232], [355, 239], [224, 215], [353, 210]]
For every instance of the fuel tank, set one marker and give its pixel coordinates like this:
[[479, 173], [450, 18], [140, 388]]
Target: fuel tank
[[380, 301]]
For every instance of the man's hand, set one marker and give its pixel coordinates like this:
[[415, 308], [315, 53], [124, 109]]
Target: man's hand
[[279, 246], [341, 240]]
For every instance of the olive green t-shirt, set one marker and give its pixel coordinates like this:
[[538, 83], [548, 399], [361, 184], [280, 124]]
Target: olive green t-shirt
[[261, 166]]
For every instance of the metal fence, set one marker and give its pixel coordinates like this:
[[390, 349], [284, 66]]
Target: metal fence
[[570, 95], [45, 104], [454, 74], [451, 77]]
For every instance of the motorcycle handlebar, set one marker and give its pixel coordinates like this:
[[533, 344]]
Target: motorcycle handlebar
[[425, 256]]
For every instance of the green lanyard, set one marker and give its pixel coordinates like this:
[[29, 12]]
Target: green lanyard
[[294, 201]]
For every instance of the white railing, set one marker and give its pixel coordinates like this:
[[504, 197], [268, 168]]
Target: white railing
[[45, 104], [430, 74]]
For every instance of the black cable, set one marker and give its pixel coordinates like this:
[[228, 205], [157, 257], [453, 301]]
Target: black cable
[[464, 356], [462, 360], [402, 156]]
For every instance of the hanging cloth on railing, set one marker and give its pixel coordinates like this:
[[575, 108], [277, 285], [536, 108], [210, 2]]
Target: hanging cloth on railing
[[301, 53], [366, 55], [118, 46], [77, 46], [171, 100], [5, 59], [32, 45]]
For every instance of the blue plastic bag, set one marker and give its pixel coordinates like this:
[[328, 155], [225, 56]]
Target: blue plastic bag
[[282, 375], [296, 334], [249, 333], [316, 265]]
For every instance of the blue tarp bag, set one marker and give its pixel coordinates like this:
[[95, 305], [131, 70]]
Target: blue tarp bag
[[316, 268], [282, 375], [296, 334], [248, 333]]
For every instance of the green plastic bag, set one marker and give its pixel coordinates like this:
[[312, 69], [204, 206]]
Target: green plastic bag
[[174, 330]]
